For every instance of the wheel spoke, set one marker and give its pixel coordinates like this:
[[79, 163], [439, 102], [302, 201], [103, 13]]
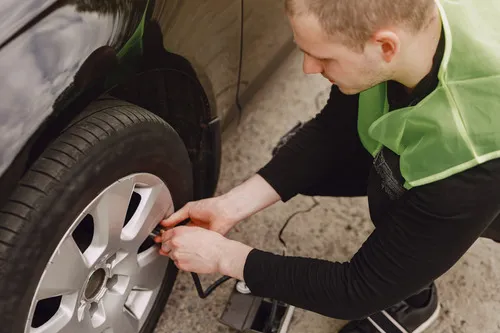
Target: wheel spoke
[[75, 326], [114, 303], [152, 267], [109, 212], [155, 204], [126, 265], [65, 272], [125, 322]]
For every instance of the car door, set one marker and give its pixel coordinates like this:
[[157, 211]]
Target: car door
[[267, 40], [207, 33]]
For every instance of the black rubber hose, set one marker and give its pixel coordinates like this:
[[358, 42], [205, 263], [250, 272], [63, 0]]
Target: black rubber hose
[[210, 289], [270, 322]]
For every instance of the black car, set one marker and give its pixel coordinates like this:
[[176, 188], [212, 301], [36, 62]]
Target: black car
[[110, 119]]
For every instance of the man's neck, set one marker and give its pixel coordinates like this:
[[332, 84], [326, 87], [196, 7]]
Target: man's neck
[[419, 56]]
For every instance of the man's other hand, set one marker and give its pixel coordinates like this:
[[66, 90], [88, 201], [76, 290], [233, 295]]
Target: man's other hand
[[197, 250], [211, 214]]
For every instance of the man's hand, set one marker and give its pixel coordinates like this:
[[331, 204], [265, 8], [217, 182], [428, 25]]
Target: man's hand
[[221, 213], [194, 249], [213, 214]]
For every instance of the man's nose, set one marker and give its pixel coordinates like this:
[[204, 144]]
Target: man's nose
[[311, 65]]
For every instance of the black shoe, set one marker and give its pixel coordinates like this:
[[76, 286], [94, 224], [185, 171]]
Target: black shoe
[[399, 318]]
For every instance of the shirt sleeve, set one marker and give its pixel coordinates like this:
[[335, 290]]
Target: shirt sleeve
[[426, 233], [316, 148]]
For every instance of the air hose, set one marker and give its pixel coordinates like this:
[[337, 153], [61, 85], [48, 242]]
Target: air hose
[[211, 288]]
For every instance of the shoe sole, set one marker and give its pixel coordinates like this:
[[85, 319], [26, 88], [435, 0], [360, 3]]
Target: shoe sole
[[429, 321], [425, 325]]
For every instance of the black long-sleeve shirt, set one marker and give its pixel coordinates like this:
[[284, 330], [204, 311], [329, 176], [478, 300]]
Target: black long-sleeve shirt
[[419, 233]]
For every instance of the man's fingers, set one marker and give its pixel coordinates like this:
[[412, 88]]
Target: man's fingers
[[158, 238], [166, 246], [167, 235], [176, 218], [163, 253]]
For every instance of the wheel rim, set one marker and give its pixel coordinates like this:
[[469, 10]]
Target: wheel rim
[[105, 273]]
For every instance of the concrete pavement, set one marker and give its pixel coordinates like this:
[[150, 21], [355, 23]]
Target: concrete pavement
[[333, 230]]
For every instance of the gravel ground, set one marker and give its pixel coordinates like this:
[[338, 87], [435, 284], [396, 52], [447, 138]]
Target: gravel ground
[[334, 229]]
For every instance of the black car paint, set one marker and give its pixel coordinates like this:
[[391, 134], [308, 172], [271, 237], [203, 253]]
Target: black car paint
[[14, 15], [74, 52]]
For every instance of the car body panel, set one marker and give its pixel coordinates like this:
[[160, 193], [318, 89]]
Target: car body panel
[[15, 14], [207, 33], [267, 34], [47, 58]]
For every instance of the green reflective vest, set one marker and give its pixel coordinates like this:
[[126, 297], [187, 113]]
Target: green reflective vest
[[457, 126]]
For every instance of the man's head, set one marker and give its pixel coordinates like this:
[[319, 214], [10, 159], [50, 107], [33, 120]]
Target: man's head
[[356, 43]]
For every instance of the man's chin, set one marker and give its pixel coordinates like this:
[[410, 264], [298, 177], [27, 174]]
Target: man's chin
[[348, 91], [351, 90]]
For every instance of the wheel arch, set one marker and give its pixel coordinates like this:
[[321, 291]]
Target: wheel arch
[[143, 84]]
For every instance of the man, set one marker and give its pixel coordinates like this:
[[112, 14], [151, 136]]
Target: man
[[412, 123]]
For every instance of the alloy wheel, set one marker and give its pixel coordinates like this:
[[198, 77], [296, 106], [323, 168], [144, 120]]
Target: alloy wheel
[[105, 273]]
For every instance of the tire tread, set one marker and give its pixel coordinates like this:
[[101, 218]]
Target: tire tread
[[83, 129], [13, 214], [73, 146], [105, 118], [95, 119], [2, 242], [115, 117], [45, 173], [126, 115], [133, 113], [55, 160], [76, 135], [32, 187], [59, 151], [19, 202]]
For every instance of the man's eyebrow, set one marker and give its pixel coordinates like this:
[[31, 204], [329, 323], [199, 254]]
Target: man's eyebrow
[[309, 54]]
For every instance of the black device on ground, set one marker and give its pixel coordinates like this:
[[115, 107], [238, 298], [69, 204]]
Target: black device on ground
[[252, 314]]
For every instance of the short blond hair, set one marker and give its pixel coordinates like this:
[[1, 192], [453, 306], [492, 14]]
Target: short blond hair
[[355, 21]]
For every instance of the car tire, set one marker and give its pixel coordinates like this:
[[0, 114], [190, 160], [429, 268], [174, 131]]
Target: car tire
[[114, 140]]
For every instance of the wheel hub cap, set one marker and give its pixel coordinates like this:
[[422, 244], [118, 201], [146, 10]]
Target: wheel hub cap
[[96, 285]]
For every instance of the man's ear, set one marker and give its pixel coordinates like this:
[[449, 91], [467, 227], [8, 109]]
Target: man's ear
[[388, 43]]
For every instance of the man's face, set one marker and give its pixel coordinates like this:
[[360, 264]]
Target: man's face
[[351, 71]]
